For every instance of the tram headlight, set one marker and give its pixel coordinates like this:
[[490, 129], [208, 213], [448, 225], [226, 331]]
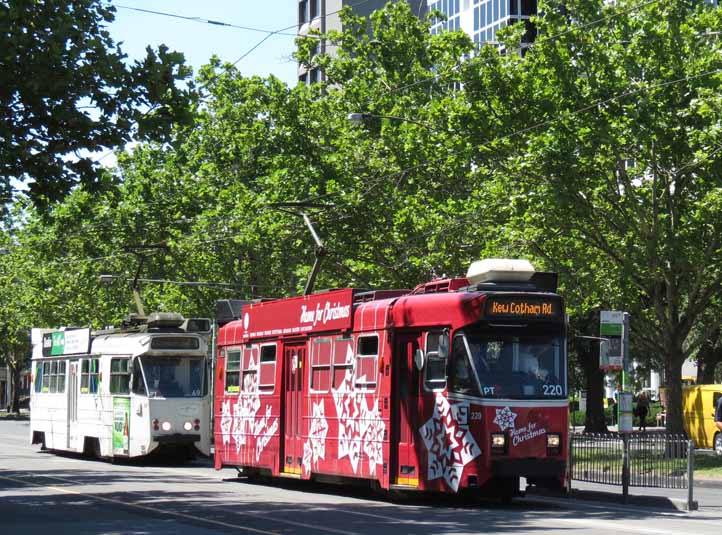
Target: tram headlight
[[156, 424], [197, 424], [498, 442], [554, 443], [187, 426], [165, 426]]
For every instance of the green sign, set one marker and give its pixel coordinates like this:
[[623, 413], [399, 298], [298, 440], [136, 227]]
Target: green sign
[[610, 330], [69, 342], [121, 425]]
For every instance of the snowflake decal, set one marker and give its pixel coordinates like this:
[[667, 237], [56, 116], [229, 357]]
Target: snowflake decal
[[315, 447], [505, 418], [449, 441]]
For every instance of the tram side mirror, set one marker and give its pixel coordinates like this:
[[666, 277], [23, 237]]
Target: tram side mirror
[[419, 359], [444, 345]]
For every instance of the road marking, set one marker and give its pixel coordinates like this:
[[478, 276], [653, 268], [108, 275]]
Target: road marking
[[136, 506], [292, 523]]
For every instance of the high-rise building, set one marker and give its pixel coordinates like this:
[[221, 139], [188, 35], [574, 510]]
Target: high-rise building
[[482, 19], [323, 15]]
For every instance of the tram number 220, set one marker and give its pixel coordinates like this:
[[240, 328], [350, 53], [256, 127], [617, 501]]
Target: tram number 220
[[552, 390]]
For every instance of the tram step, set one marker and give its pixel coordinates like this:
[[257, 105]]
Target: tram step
[[403, 487]]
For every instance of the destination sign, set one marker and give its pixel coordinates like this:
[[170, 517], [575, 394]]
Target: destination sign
[[527, 307]]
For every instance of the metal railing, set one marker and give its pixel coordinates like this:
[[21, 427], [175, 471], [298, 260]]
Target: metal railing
[[633, 460]]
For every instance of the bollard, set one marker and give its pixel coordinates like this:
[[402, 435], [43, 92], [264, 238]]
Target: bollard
[[625, 468], [691, 504]]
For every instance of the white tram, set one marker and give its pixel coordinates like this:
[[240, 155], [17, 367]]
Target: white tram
[[125, 392]]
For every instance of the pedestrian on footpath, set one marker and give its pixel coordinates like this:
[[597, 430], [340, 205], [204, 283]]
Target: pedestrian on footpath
[[642, 410]]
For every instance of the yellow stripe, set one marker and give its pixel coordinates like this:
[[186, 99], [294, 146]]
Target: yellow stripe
[[410, 481]]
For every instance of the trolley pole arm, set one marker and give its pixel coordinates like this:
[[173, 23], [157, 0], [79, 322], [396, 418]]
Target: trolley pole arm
[[320, 253], [136, 287]]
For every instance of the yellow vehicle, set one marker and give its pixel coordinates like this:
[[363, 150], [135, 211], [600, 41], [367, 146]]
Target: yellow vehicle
[[698, 407]]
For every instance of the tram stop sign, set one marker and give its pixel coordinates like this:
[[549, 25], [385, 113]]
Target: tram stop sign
[[611, 355]]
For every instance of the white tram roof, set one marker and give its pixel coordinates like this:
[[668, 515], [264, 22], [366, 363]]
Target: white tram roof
[[132, 343]]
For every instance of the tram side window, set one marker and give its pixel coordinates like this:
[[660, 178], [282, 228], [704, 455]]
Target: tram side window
[[119, 376], [54, 377], [342, 360], [233, 370], [367, 352], [89, 376], [46, 377], [267, 379], [435, 370], [321, 364], [250, 369], [39, 377], [60, 377]]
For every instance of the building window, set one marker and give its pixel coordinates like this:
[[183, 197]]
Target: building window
[[233, 370], [367, 353], [267, 372], [89, 375], [302, 12], [119, 376], [315, 9], [528, 7]]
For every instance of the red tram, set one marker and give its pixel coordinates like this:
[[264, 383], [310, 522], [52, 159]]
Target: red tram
[[459, 384]]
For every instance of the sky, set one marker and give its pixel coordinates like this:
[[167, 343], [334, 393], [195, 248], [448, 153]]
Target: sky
[[199, 40]]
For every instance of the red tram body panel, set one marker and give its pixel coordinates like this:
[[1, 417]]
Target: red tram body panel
[[453, 386]]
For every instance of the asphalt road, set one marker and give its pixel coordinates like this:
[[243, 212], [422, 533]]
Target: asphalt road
[[50, 494]]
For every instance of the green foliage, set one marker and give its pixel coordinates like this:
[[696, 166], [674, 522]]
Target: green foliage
[[594, 154], [68, 89]]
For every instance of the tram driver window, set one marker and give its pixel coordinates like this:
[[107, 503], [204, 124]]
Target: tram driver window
[[233, 370], [89, 376], [435, 369], [461, 374], [138, 382], [367, 352]]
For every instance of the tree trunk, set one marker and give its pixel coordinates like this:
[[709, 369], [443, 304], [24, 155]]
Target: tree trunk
[[14, 380], [594, 421], [707, 360], [673, 388]]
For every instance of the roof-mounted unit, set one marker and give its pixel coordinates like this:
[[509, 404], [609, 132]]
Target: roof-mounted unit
[[197, 325], [160, 320], [500, 270]]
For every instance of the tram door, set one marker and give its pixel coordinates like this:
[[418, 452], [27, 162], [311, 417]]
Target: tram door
[[72, 390], [406, 406], [293, 363]]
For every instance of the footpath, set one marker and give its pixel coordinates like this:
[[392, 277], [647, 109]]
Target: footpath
[[706, 492]]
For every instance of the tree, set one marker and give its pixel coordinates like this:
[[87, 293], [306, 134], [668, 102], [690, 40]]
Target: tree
[[67, 91]]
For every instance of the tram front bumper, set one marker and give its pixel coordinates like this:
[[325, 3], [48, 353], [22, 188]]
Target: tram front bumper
[[530, 468], [177, 439]]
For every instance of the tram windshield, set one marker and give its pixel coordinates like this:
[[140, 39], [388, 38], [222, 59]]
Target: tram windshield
[[491, 364], [169, 377]]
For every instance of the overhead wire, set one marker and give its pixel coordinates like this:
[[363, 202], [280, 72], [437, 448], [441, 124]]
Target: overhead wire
[[276, 32], [206, 21]]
